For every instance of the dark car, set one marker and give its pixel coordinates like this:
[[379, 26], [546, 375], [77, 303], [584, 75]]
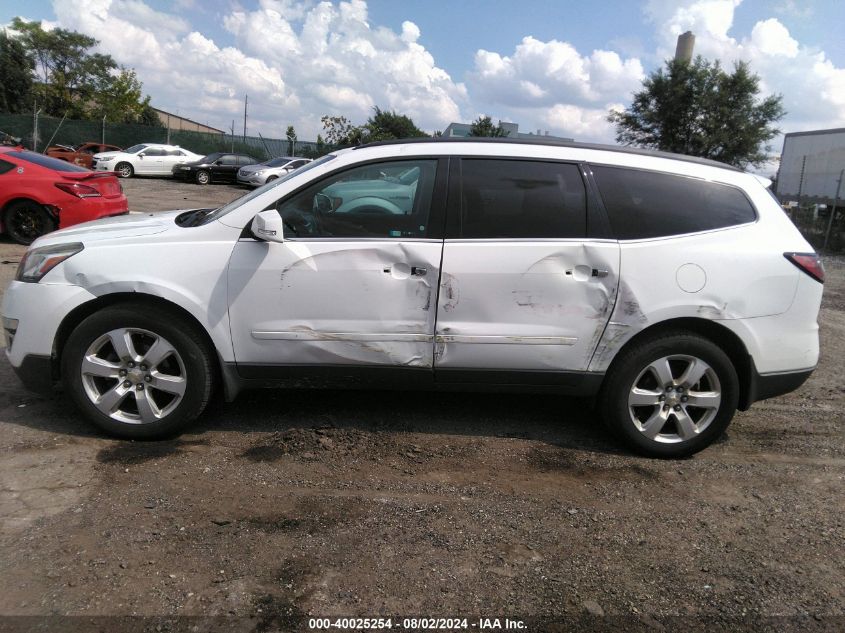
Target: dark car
[[219, 166]]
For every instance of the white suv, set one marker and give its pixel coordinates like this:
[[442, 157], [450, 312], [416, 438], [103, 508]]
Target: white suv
[[674, 290]]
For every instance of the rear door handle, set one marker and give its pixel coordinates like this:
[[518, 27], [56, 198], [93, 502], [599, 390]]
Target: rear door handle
[[419, 271], [599, 273]]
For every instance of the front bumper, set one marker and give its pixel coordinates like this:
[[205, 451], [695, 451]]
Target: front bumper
[[37, 373], [39, 309], [252, 180]]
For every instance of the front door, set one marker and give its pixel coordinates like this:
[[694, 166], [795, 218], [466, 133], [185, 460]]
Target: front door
[[354, 283], [523, 288]]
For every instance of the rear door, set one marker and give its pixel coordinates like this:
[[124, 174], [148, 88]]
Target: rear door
[[527, 284], [355, 282]]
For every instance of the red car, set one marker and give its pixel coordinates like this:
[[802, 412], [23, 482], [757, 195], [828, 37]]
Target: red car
[[82, 155], [39, 194]]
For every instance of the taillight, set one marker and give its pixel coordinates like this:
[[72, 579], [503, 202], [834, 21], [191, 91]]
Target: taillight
[[810, 263], [78, 189]]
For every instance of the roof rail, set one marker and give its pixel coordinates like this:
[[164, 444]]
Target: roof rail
[[556, 143]]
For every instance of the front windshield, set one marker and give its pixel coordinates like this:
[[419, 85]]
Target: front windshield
[[234, 204], [211, 157], [277, 162], [135, 149]]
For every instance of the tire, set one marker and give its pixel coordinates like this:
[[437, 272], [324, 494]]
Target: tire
[[111, 383], [124, 170], [649, 401], [203, 177], [27, 220], [271, 179]]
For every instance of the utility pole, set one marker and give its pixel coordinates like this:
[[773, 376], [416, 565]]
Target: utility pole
[[246, 98], [35, 114], [233, 136], [104, 130]]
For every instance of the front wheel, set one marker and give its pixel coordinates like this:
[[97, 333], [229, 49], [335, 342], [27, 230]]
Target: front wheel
[[670, 395], [203, 177], [137, 372], [26, 220], [124, 170]]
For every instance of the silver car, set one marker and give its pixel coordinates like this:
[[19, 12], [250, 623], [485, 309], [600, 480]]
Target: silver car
[[257, 175]]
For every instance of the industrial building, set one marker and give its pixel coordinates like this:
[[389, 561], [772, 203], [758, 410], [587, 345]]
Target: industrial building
[[811, 166]]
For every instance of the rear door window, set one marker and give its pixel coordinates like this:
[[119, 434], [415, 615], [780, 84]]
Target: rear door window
[[522, 199], [646, 204]]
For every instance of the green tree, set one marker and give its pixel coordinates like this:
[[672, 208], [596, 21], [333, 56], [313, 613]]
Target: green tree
[[16, 66], [698, 109], [120, 99], [71, 79], [291, 136], [483, 126], [149, 116], [384, 126], [340, 131]]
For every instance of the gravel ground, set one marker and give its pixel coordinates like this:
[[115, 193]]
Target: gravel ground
[[284, 505]]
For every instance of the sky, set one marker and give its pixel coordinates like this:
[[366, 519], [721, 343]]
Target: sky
[[545, 64]]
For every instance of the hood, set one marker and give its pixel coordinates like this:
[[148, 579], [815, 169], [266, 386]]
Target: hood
[[118, 227], [251, 169], [106, 154]]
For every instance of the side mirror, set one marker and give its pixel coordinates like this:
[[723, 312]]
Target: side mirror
[[141, 155], [267, 226]]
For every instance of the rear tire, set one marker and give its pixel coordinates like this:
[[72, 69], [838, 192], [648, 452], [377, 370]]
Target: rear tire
[[138, 371], [26, 220], [670, 395]]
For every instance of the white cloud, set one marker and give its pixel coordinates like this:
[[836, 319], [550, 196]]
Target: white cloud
[[552, 84], [296, 60]]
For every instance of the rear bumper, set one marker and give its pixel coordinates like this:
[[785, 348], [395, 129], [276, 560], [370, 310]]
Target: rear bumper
[[762, 387], [88, 209]]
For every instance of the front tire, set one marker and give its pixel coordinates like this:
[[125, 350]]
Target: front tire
[[124, 170], [26, 220], [670, 395], [138, 371], [203, 177]]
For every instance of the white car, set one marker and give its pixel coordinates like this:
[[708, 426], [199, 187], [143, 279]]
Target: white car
[[144, 159], [270, 170], [673, 289]]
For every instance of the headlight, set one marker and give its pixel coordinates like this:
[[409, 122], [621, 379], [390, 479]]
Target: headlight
[[39, 261]]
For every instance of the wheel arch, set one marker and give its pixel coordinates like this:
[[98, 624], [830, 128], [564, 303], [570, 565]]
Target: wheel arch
[[726, 339], [83, 311]]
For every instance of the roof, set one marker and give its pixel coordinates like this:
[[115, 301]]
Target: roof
[[558, 143], [836, 130]]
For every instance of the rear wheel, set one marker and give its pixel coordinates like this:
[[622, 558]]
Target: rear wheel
[[139, 372], [203, 177], [124, 170], [27, 220], [671, 395]]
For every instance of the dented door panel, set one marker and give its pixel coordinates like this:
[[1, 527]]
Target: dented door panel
[[524, 305], [334, 302]]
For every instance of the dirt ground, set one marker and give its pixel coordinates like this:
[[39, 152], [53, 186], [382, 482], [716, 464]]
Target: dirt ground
[[288, 505]]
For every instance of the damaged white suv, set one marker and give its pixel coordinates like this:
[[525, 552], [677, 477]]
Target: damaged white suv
[[673, 289]]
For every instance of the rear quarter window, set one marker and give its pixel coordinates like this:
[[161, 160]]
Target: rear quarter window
[[6, 166], [645, 204], [47, 161]]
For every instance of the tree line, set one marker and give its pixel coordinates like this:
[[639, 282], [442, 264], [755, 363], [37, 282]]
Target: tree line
[[57, 72]]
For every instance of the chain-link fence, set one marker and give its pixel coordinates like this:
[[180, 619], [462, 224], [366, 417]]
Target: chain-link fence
[[822, 226], [52, 131]]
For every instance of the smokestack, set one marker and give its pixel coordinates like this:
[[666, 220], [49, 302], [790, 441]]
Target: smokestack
[[683, 51]]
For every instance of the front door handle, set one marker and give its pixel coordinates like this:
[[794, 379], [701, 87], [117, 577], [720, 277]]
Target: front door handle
[[599, 273], [419, 271]]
